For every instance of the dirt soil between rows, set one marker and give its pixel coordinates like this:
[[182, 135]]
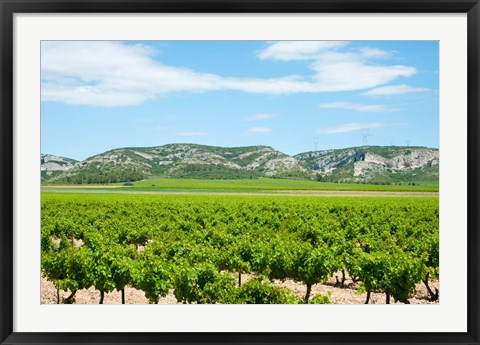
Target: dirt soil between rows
[[338, 295]]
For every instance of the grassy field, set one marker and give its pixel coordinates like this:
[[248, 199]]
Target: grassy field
[[248, 186], [169, 184], [202, 200]]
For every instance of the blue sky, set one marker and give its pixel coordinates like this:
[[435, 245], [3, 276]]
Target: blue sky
[[295, 96]]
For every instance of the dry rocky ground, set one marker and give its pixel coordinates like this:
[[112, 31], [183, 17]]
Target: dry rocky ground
[[339, 295]]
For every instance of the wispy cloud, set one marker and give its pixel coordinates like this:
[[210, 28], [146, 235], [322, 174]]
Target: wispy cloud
[[370, 108], [297, 50], [394, 90], [192, 134], [258, 130], [260, 117], [107, 73], [374, 53], [350, 71], [350, 127]]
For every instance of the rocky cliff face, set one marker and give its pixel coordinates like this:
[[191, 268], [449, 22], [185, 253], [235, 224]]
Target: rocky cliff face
[[373, 163], [410, 159], [403, 162], [325, 162], [51, 163]]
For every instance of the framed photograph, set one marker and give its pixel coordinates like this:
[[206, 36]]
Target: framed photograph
[[239, 172]]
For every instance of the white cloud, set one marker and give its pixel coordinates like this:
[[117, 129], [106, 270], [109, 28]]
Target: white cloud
[[107, 73], [350, 127], [349, 71], [260, 117], [394, 90], [370, 108], [258, 130], [374, 53], [191, 134], [297, 50]]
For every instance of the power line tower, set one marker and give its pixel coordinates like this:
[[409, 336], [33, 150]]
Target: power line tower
[[407, 142], [365, 134]]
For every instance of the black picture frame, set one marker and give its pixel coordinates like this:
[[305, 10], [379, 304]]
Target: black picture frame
[[9, 7]]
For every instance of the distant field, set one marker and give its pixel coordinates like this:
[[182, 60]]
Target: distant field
[[252, 185]]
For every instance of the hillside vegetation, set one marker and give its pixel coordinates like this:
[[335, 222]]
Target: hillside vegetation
[[371, 164]]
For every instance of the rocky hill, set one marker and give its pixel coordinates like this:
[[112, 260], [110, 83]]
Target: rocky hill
[[375, 164], [184, 161], [52, 166]]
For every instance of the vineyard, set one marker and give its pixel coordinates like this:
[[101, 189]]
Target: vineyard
[[198, 246]]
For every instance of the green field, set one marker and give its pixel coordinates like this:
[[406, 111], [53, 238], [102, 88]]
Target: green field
[[261, 184], [192, 199], [198, 245]]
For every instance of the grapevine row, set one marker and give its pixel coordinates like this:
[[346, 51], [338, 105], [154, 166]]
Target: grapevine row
[[199, 245]]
